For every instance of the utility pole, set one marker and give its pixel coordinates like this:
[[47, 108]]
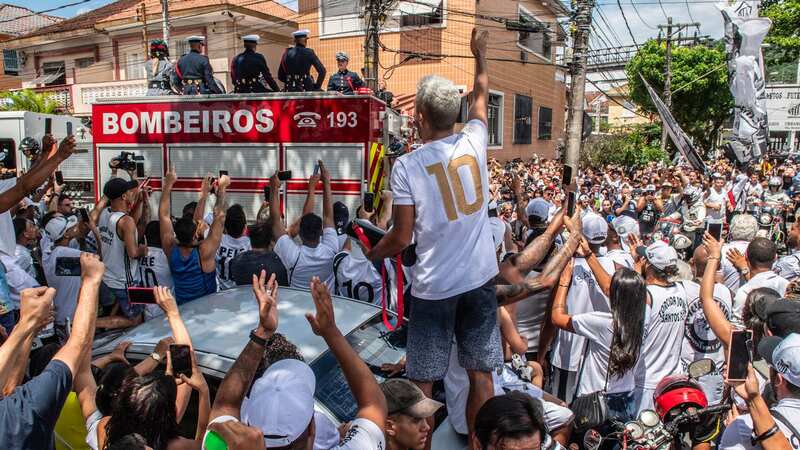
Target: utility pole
[[668, 66], [144, 31], [165, 21], [371, 44], [580, 47]]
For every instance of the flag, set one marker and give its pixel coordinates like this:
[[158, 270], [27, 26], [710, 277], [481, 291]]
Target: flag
[[675, 132]]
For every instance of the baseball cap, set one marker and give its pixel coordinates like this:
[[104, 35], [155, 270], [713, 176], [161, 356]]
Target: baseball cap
[[404, 397], [659, 254], [281, 402], [666, 184], [783, 317], [783, 355], [341, 215], [59, 225], [650, 188], [115, 187], [538, 207], [625, 226], [595, 228]]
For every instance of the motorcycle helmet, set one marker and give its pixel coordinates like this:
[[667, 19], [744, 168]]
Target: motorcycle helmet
[[30, 148], [676, 393], [775, 181]]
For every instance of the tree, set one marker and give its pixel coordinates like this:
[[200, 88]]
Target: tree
[[781, 55], [701, 98], [28, 100], [631, 147]]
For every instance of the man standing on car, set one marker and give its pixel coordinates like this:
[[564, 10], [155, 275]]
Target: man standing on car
[[441, 191]]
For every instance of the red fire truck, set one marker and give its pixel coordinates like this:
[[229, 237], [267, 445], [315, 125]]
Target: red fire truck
[[251, 136]]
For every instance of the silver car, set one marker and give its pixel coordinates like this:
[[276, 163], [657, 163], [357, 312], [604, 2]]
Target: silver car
[[220, 324]]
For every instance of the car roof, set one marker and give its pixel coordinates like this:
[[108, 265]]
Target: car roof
[[220, 325]]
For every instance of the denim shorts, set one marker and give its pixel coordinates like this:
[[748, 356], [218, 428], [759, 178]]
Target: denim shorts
[[109, 296], [470, 317]]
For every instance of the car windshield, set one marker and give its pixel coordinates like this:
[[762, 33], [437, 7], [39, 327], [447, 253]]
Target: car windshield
[[375, 345]]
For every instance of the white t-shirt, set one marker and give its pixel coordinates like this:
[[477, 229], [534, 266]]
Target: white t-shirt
[[67, 288], [730, 275], [737, 435], [598, 328], [302, 262], [699, 341], [363, 434], [18, 280], [447, 182], [768, 279], [229, 247], [788, 267], [584, 296], [154, 271], [8, 239], [531, 312], [498, 234], [620, 257], [661, 348], [721, 198], [24, 260], [357, 278]]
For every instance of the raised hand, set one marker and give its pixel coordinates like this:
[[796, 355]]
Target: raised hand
[[477, 42], [170, 177], [712, 246], [92, 269], [165, 300], [66, 148], [119, 352], [323, 321], [36, 307], [266, 293]]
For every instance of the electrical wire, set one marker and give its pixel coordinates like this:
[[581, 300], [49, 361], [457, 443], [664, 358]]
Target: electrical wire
[[627, 25], [689, 10], [45, 11], [663, 11], [636, 10]]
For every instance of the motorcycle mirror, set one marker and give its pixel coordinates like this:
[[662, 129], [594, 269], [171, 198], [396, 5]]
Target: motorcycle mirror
[[592, 440], [701, 367], [649, 418]]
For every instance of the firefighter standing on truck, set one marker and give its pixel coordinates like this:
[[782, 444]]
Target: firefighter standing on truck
[[296, 65], [194, 70], [159, 69], [249, 70], [343, 80]]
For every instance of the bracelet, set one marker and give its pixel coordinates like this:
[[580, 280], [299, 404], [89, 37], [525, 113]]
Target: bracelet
[[563, 285], [713, 257], [765, 435], [258, 340]]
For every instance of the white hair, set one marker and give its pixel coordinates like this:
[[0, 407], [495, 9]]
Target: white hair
[[439, 101], [743, 227]]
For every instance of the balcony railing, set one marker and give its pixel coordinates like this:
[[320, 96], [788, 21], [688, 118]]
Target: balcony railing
[[78, 98], [61, 94]]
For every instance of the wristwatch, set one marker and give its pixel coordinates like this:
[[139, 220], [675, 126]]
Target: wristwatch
[[156, 357], [257, 339], [745, 271]]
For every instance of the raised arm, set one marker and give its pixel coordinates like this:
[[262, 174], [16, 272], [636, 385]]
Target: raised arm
[[398, 237], [233, 388], [37, 175], [35, 312], [210, 245], [164, 216], [126, 227], [716, 318], [79, 344], [767, 435], [327, 198], [480, 87], [368, 395], [166, 301], [559, 315], [385, 216], [205, 189], [308, 205], [513, 270], [600, 274], [278, 229]]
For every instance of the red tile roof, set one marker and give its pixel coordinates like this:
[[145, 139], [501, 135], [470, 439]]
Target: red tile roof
[[18, 20]]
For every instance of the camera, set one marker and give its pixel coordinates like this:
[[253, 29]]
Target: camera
[[125, 161]]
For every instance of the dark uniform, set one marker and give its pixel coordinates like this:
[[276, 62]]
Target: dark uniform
[[250, 73], [345, 82], [194, 73], [295, 67]]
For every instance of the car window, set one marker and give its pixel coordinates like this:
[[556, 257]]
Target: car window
[[375, 346]]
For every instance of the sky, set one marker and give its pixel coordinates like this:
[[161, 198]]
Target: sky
[[612, 30]]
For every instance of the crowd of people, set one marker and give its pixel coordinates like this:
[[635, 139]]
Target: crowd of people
[[520, 307]]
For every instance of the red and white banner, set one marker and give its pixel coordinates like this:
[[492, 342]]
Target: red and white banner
[[340, 119]]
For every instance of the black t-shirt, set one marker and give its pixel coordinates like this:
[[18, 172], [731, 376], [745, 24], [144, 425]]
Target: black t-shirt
[[648, 218], [245, 264], [28, 416]]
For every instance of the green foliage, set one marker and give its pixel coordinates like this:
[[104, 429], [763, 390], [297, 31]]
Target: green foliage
[[28, 100], [701, 99], [633, 147], [782, 54]]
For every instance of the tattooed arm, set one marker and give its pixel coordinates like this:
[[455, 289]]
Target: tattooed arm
[[514, 269], [508, 294], [559, 315]]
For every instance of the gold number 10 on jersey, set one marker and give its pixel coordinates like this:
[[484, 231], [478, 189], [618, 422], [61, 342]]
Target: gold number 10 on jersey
[[447, 191]]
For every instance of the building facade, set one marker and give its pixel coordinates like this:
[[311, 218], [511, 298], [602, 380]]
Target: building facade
[[16, 21]]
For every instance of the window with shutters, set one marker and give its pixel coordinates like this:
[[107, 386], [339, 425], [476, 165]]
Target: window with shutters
[[11, 65], [339, 17], [495, 116], [134, 66], [82, 63], [545, 123], [178, 47], [537, 41], [523, 123]]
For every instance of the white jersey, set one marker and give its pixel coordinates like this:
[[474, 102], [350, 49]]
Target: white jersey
[[663, 335], [721, 198], [229, 247], [584, 296], [121, 271], [699, 341], [598, 327], [67, 288], [357, 278], [768, 279], [154, 271], [24, 260], [731, 278], [620, 258], [787, 267], [447, 182], [303, 262], [738, 435]]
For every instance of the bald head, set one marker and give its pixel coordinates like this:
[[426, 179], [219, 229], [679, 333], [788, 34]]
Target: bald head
[[699, 261]]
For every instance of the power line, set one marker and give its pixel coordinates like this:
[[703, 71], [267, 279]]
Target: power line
[[689, 10], [622, 11], [636, 10]]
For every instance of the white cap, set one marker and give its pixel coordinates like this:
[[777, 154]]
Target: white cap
[[59, 225], [783, 355], [624, 226], [195, 39], [660, 255], [301, 33], [595, 228], [251, 38], [326, 434], [281, 402], [538, 207]]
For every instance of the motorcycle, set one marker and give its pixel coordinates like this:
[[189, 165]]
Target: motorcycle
[[771, 225], [682, 417]]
